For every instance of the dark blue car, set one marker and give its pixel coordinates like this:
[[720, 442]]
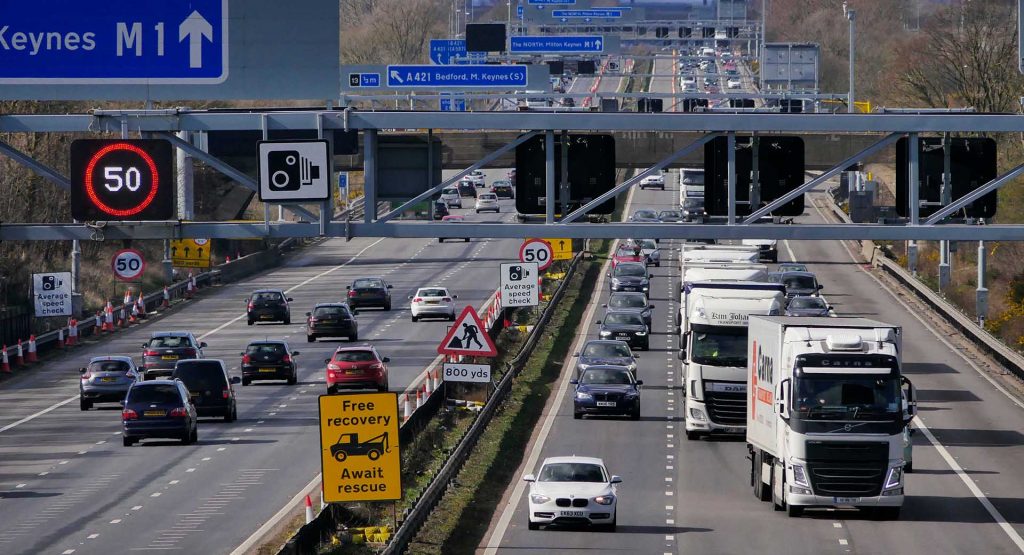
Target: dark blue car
[[159, 409], [606, 390]]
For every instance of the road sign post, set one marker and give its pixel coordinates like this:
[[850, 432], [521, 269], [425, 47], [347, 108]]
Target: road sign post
[[359, 452], [519, 284]]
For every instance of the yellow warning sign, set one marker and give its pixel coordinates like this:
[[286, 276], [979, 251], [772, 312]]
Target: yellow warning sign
[[359, 454], [190, 253], [561, 249]]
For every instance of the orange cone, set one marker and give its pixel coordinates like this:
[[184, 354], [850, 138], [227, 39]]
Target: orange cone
[[32, 356], [60, 338], [133, 315], [140, 306], [309, 510], [166, 302], [72, 332], [406, 408], [5, 364]]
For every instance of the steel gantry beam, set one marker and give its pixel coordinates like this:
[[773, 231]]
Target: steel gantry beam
[[974, 195], [841, 166]]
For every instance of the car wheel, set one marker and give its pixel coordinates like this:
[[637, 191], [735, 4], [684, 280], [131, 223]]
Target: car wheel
[[195, 435], [532, 525], [440, 240], [246, 381], [477, 211], [354, 337], [288, 321], [657, 264], [451, 317], [466, 239], [84, 405], [611, 527], [387, 306], [187, 438], [635, 415], [310, 339], [414, 318], [497, 210], [127, 441], [231, 415], [293, 379], [577, 415]]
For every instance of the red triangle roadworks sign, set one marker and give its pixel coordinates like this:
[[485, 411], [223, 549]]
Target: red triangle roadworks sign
[[468, 337]]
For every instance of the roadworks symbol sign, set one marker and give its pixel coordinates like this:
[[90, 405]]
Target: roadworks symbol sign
[[359, 454], [468, 337]]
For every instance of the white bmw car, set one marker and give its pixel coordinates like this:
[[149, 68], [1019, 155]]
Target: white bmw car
[[574, 491]]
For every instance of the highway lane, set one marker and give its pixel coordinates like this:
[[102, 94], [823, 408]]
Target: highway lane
[[69, 486], [664, 65]]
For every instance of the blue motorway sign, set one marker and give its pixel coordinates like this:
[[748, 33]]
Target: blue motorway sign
[[557, 44], [469, 76], [608, 13], [519, 12], [451, 103], [443, 50], [550, 1], [114, 42]]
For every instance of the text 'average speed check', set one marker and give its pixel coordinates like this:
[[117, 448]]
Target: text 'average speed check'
[[359, 453]]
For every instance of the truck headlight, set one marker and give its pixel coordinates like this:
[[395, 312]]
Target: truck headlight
[[604, 499], [800, 476], [605, 333], [697, 415], [895, 478], [583, 396], [539, 499]]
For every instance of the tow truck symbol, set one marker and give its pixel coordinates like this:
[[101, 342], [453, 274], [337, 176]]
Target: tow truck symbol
[[348, 445]]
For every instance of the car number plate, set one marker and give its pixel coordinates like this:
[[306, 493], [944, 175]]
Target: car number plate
[[154, 413], [573, 513], [326, 321], [267, 370], [845, 500], [606, 403], [170, 357], [622, 335], [735, 430], [107, 380], [433, 302], [267, 316]]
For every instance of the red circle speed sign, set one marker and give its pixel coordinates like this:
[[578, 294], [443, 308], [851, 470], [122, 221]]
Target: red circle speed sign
[[128, 264], [122, 179], [536, 250]]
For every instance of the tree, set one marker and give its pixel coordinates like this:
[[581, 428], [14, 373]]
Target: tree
[[394, 31]]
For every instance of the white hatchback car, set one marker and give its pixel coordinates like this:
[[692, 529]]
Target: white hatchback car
[[451, 197], [477, 178], [733, 83], [432, 302], [487, 201], [572, 490]]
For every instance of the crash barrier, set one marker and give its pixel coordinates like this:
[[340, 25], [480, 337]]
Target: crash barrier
[[76, 330], [964, 323]]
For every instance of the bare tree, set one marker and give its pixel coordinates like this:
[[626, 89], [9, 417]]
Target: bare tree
[[394, 31]]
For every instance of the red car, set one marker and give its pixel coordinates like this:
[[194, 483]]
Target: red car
[[352, 367], [627, 254]]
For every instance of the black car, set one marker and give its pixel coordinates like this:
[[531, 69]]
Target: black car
[[165, 348], [332, 320], [159, 409], [799, 284], [693, 209], [625, 325], [209, 386], [630, 276], [644, 216], [670, 216], [503, 189], [467, 188], [807, 306], [440, 209], [269, 360], [631, 301], [605, 352], [606, 390], [268, 305], [369, 291]]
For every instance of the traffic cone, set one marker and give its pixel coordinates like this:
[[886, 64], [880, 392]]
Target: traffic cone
[[110, 320], [5, 364], [32, 356], [133, 315], [166, 302], [419, 399], [428, 386], [188, 290], [72, 332], [127, 296], [140, 306], [227, 260], [309, 510], [19, 355], [437, 378], [60, 338], [406, 408], [195, 284]]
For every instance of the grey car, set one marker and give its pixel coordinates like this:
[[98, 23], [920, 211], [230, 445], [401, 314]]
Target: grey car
[[630, 276], [694, 210], [106, 380], [631, 301], [165, 348], [650, 250], [670, 216], [799, 284], [644, 216], [605, 352], [807, 306]]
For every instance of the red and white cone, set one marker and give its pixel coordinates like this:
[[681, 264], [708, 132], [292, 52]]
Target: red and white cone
[[188, 290], [5, 363], [437, 379], [133, 316], [109, 320], [406, 408], [72, 332], [32, 356], [60, 338], [140, 307], [309, 510], [419, 399], [127, 296], [227, 260], [19, 355], [166, 302], [428, 386]]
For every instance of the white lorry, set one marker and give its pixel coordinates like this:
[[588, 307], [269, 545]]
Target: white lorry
[[768, 249], [713, 348], [827, 413]]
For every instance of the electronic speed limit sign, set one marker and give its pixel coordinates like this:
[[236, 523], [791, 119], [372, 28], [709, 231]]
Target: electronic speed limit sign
[[122, 179], [128, 265], [536, 250]]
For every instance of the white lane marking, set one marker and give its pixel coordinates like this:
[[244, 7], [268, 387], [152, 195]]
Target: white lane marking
[[68, 552], [789, 251], [155, 494], [136, 507], [204, 336], [278, 517], [190, 470], [837, 524], [116, 521], [172, 482], [43, 473], [843, 542], [92, 536], [967, 480]]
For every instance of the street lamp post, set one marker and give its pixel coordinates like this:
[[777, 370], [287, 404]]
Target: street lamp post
[[852, 16]]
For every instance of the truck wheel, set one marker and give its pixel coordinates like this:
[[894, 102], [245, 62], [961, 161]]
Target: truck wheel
[[692, 435], [373, 454], [793, 511], [340, 456], [761, 491]]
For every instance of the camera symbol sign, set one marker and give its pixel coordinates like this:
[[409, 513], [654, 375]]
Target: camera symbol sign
[[294, 170], [519, 284], [128, 264]]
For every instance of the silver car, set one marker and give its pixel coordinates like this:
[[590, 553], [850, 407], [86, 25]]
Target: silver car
[[107, 380]]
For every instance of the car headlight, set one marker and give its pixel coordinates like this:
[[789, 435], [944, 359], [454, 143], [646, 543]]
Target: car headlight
[[539, 498], [895, 478], [604, 499], [615, 281], [583, 395], [800, 476], [641, 333], [605, 333], [632, 368]]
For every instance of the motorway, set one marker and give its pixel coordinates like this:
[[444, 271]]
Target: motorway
[[67, 485], [680, 496]]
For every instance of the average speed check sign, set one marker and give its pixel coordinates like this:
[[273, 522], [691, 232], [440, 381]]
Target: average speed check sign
[[536, 250], [128, 264]]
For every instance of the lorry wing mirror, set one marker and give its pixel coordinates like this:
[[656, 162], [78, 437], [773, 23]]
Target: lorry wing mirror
[[781, 399]]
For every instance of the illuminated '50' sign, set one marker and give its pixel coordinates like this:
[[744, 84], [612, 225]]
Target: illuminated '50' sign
[[122, 179]]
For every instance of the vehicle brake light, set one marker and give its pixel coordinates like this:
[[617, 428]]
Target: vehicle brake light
[[150, 353], [351, 293], [179, 412], [418, 300], [376, 367], [246, 359], [227, 393], [86, 376], [190, 352], [250, 305], [129, 414], [286, 358], [333, 366], [312, 319]]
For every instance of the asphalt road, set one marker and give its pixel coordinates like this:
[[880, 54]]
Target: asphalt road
[[67, 485], [680, 496]]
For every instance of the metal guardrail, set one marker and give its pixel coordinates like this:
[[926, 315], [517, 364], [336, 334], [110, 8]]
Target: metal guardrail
[[978, 335], [435, 491]]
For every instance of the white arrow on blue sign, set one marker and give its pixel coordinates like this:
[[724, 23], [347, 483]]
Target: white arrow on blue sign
[[125, 42], [557, 44], [443, 50], [470, 76]]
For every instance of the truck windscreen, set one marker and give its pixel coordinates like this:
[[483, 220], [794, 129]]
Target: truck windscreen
[[719, 345], [847, 397]]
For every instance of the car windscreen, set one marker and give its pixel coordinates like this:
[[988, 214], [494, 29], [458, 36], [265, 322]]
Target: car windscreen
[[330, 312], [265, 349], [201, 376], [267, 297], [355, 356], [606, 376], [572, 472], [431, 293], [807, 302], [169, 342], [368, 284], [645, 214], [798, 282], [668, 214], [108, 366], [629, 270], [792, 268], [606, 350], [450, 191], [627, 301], [624, 319], [156, 394], [648, 244]]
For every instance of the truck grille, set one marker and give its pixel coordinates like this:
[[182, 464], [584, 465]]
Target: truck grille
[[729, 409], [846, 468]]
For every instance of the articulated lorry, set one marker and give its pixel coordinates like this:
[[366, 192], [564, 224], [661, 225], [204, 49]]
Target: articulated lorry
[[713, 348], [827, 411]]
